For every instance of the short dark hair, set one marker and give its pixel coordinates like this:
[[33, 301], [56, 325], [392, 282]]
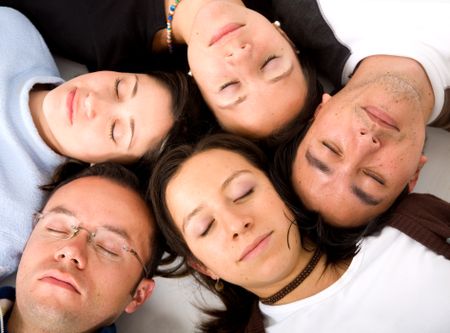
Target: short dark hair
[[119, 174]]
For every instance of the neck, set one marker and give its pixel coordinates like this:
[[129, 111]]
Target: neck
[[16, 323], [36, 102], [406, 68], [184, 17], [320, 278]]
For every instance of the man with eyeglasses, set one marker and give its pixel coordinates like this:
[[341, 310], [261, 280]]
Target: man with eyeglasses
[[90, 257]]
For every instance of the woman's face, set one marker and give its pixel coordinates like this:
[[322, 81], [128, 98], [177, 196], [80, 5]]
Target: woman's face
[[246, 69], [107, 116], [233, 220]]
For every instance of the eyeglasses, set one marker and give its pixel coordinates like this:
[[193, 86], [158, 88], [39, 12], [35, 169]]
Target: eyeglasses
[[108, 243]]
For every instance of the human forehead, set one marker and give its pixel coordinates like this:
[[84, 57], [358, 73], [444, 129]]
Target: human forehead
[[100, 76], [97, 201], [208, 172]]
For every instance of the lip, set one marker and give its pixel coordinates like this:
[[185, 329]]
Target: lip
[[223, 31], [61, 280], [255, 247], [70, 104], [381, 118]]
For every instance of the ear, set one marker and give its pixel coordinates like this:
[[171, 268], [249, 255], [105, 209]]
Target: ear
[[142, 293], [199, 267], [325, 98], [413, 181]]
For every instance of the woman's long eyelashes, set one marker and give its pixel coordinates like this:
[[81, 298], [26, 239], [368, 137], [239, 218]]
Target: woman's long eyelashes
[[228, 84], [111, 132], [268, 60], [246, 194], [208, 228], [116, 87]]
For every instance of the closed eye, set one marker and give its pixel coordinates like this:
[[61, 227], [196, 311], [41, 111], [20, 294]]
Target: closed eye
[[245, 195], [58, 232], [374, 176], [111, 132], [208, 228], [104, 251], [116, 87], [268, 60], [332, 148], [228, 84]]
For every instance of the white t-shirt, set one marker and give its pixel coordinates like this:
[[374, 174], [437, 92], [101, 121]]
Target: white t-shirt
[[418, 29], [394, 284]]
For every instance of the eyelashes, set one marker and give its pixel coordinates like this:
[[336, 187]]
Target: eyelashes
[[111, 132], [228, 84], [246, 194], [266, 62], [116, 87], [331, 147], [374, 176]]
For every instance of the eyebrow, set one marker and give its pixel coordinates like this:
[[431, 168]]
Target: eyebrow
[[282, 75], [132, 132], [365, 197], [316, 163], [189, 217], [233, 103], [227, 182], [136, 85], [132, 123], [119, 231], [233, 176], [61, 210]]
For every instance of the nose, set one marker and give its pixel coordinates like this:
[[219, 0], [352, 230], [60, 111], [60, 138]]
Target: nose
[[367, 139], [238, 51], [73, 252], [237, 223], [92, 105]]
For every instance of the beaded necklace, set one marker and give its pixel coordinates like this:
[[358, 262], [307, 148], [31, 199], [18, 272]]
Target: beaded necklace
[[294, 283], [172, 8]]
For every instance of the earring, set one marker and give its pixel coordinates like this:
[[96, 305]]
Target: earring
[[189, 73], [277, 25], [218, 286]]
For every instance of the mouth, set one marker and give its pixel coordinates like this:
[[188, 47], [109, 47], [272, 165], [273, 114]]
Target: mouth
[[256, 247], [224, 31], [70, 104], [381, 118], [62, 281]]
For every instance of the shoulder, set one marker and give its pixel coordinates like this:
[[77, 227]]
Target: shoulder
[[12, 19], [420, 206], [426, 219], [16, 28]]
